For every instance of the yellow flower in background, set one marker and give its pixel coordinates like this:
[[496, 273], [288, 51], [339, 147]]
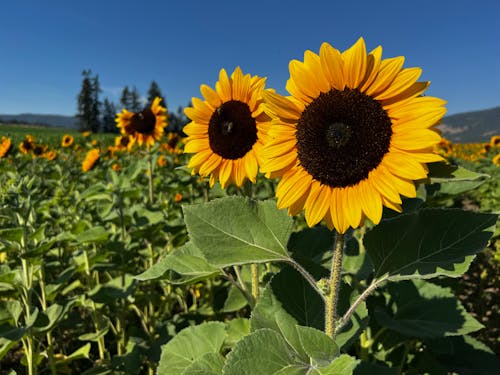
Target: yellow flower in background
[[178, 197], [173, 144], [352, 137], [90, 159], [50, 155], [115, 167], [67, 140], [87, 133], [227, 129], [27, 145], [162, 161], [495, 141], [5, 146], [496, 160], [124, 142], [145, 127]]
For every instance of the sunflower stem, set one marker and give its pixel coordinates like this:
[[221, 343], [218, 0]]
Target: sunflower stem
[[334, 286], [255, 281], [150, 177]]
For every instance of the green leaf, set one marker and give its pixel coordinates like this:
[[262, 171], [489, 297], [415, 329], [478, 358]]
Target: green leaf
[[269, 314], [95, 234], [82, 352], [298, 298], [11, 234], [318, 346], [452, 179], [185, 265], [234, 230], [343, 365], [189, 345], [236, 329], [235, 300], [359, 320], [369, 368], [428, 243], [469, 356], [423, 309], [119, 287], [207, 364], [263, 352]]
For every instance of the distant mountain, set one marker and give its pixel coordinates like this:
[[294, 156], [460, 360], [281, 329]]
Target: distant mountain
[[467, 127], [37, 119], [471, 127]]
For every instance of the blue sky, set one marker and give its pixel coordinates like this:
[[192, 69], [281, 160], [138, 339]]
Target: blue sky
[[45, 45]]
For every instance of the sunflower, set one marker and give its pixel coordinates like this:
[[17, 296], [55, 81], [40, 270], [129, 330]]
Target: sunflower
[[173, 144], [67, 140], [124, 142], [27, 145], [162, 161], [146, 126], [90, 159], [50, 155], [227, 129], [4, 146], [495, 141], [352, 137], [496, 160]]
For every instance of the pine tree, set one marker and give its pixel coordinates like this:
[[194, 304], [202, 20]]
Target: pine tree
[[153, 92], [125, 98], [95, 123], [88, 103], [108, 117], [135, 100]]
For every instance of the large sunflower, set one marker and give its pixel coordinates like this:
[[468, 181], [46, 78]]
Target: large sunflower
[[227, 129], [352, 137], [147, 126]]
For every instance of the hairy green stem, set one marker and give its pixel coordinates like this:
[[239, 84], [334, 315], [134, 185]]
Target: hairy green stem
[[334, 287], [150, 177], [255, 281]]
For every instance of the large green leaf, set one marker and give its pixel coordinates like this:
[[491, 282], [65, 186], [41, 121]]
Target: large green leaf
[[189, 346], [185, 265], [266, 352], [207, 364], [423, 309], [428, 243], [452, 179], [234, 230]]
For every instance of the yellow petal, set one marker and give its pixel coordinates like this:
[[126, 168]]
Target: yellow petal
[[210, 96], [281, 106], [317, 203], [425, 120], [225, 172], [312, 61], [292, 187], [196, 145], [223, 86], [353, 210], [333, 66], [403, 165], [389, 69], [372, 68], [304, 79], [370, 201], [355, 64], [404, 79], [415, 139]]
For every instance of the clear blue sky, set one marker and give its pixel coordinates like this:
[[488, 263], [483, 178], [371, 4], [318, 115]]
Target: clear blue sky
[[45, 45]]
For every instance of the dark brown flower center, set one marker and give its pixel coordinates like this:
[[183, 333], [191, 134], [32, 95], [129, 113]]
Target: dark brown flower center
[[342, 136], [232, 131], [143, 122]]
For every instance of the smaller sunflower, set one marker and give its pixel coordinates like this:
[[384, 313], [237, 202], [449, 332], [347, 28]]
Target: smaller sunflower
[[162, 161], [227, 130], [124, 142], [67, 140], [496, 160], [115, 167], [27, 145], [178, 197], [173, 144], [50, 155], [147, 126], [90, 159], [4, 146], [87, 133], [495, 141]]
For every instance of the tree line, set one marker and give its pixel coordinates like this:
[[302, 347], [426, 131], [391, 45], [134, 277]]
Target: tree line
[[99, 116]]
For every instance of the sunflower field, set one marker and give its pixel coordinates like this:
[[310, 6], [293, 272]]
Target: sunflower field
[[332, 231]]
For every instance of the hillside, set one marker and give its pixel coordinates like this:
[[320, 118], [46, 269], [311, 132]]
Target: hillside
[[471, 127], [38, 119], [467, 127]]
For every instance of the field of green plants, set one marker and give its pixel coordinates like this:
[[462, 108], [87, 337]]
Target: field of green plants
[[136, 266]]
